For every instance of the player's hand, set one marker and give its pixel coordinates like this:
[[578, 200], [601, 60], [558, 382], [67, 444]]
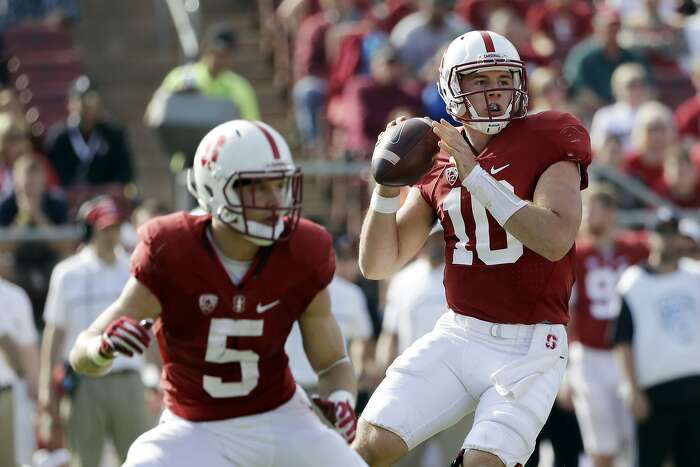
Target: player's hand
[[391, 123], [453, 143], [340, 414], [639, 405], [125, 336], [49, 429]]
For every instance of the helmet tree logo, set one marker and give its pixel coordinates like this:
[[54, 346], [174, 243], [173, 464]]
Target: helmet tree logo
[[239, 303], [212, 154]]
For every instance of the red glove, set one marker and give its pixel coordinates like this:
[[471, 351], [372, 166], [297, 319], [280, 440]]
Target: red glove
[[340, 414], [126, 336]]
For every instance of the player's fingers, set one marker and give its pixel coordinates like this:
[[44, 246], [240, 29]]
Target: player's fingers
[[448, 148], [138, 332], [117, 346], [446, 132], [396, 121], [123, 339]]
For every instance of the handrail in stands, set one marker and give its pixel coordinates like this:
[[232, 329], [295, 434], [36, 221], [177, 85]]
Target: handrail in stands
[[184, 28]]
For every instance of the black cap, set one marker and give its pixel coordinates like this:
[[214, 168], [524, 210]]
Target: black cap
[[665, 221], [220, 36], [81, 86]]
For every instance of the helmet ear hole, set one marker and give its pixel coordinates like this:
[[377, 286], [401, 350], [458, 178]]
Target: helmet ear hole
[[209, 191]]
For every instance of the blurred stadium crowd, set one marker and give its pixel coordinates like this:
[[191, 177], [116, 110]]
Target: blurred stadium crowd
[[628, 69]]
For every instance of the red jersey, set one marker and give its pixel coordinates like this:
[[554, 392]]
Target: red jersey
[[222, 345], [597, 274], [489, 274]]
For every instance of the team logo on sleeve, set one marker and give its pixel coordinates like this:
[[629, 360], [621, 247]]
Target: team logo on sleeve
[[207, 303], [239, 303], [572, 134], [451, 174]]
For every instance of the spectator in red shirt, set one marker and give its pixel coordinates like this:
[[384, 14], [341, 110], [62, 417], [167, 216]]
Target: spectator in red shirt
[[560, 24], [653, 137], [310, 63], [369, 100], [368, 103], [389, 13], [311, 67], [509, 24], [680, 183], [478, 12], [688, 113]]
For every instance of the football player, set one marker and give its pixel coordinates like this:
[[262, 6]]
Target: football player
[[602, 255], [506, 188], [224, 290]]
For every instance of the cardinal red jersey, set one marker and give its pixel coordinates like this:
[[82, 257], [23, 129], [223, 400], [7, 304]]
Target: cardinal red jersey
[[222, 345], [597, 274], [489, 274]]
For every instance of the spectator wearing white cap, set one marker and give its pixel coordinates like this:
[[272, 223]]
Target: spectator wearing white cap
[[91, 409]]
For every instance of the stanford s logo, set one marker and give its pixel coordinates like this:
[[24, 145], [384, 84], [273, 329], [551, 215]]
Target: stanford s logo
[[551, 342], [239, 303], [451, 174], [207, 303]]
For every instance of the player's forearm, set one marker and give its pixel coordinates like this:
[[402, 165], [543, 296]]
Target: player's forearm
[[29, 357], [542, 230], [339, 378], [378, 245], [81, 357], [387, 350], [10, 349], [625, 359], [379, 240], [51, 347]]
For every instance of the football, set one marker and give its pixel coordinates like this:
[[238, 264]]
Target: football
[[404, 152]]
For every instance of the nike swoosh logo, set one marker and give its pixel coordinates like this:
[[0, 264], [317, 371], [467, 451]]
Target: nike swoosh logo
[[495, 170], [263, 308]]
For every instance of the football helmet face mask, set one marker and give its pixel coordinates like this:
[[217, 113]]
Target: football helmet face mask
[[243, 174], [478, 52]]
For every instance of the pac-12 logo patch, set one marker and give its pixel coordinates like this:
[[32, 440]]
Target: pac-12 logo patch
[[207, 303], [451, 174]]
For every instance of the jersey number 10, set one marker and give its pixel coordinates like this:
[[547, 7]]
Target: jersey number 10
[[452, 205]]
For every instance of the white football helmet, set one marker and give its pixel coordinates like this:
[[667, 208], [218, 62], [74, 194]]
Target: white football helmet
[[240, 153], [478, 51]]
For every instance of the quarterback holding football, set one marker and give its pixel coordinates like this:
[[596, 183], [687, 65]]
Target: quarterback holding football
[[224, 289], [506, 188]]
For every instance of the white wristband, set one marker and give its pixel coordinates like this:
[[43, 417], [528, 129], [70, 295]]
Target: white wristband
[[340, 361], [342, 395], [501, 202], [93, 352], [383, 204]]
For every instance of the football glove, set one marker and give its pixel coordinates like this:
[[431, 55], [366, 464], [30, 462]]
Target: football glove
[[340, 414], [125, 336]]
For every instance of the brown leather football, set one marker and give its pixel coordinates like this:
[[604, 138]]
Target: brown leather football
[[404, 152]]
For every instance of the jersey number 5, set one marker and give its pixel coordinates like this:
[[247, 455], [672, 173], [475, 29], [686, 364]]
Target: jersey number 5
[[453, 207], [217, 352]]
